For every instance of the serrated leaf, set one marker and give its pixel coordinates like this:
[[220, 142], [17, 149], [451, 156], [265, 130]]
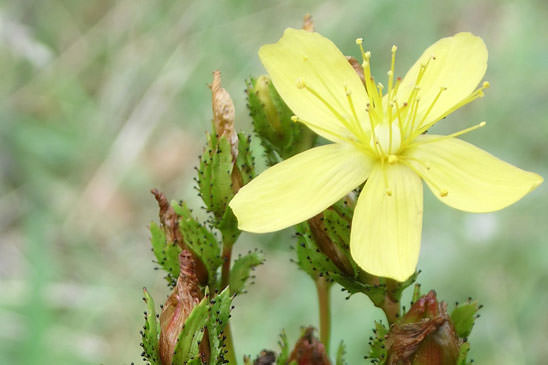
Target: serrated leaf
[[341, 352], [463, 318], [150, 331], [239, 274], [215, 175], [218, 319], [200, 240], [377, 347], [191, 334], [284, 349], [167, 254]]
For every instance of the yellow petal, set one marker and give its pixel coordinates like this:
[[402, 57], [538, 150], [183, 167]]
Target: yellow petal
[[459, 65], [386, 229], [299, 187], [313, 59], [470, 178]]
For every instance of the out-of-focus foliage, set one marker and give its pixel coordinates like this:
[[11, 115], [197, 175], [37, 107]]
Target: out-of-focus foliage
[[102, 100]]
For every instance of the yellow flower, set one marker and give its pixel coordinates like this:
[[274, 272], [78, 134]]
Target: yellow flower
[[378, 139]]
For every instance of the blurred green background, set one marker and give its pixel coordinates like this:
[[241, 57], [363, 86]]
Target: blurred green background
[[102, 100]]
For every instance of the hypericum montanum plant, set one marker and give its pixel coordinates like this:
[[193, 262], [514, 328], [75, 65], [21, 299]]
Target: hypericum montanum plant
[[378, 139]]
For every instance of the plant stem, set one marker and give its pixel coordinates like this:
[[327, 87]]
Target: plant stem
[[322, 287], [225, 279], [225, 271]]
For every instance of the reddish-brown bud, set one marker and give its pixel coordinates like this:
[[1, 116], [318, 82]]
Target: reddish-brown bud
[[309, 350], [185, 296], [424, 336]]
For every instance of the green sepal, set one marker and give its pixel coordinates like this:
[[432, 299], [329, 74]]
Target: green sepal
[[200, 240], [416, 293], [341, 352], [280, 136], [215, 175], [463, 318], [377, 348], [245, 161], [283, 343], [192, 333], [309, 257], [463, 353], [220, 307], [150, 331], [240, 272], [228, 226], [167, 254]]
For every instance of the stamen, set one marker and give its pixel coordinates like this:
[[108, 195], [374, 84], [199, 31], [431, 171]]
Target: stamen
[[391, 72], [376, 144], [303, 85], [355, 115], [456, 134], [473, 96]]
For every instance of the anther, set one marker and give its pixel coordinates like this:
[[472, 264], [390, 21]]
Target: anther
[[444, 193], [294, 118], [388, 192], [300, 83], [359, 41]]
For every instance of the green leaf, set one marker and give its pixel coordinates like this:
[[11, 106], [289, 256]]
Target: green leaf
[[341, 352], [219, 314], [200, 240], [463, 317], [309, 257], [245, 161], [150, 331], [192, 333], [377, 347], [284, 349], [215, 175], [239, 274], [463, 353], [167, 254]]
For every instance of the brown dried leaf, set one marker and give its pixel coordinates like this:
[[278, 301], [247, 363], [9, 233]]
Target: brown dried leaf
[[223, 112], [308, 23], [185, 296], [309, 350], [266, 357], [168, 219], [357, 67]]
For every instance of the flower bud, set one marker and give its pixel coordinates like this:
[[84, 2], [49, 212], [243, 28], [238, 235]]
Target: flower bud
[[309, 350], [425, 335], [280, 136], [226, 164], [185, 296]]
